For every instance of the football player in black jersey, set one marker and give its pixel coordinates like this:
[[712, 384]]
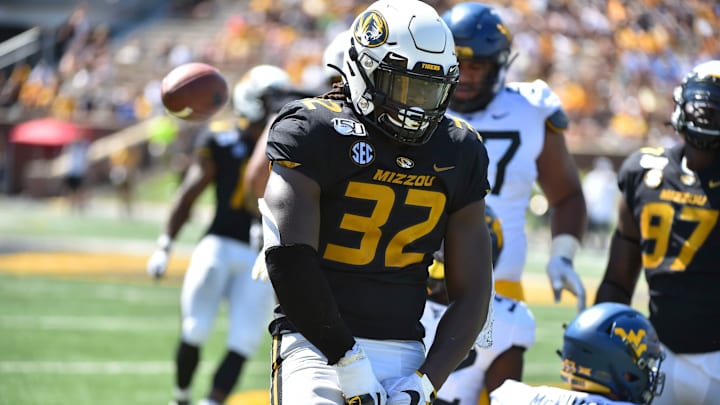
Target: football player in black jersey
[[366, 182], [220, 266], [668, 226]]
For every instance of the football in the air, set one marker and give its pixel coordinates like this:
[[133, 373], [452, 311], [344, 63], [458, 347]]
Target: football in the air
[[194, 91]]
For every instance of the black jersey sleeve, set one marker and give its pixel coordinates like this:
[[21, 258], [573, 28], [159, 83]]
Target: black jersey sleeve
[[296, 138], [474, 161]]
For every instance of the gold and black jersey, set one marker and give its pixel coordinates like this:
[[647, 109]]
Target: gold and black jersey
[[229, 148], [677, 213], [384, 208]]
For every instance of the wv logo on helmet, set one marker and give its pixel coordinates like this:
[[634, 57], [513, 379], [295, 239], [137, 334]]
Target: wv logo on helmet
[[636, 339]]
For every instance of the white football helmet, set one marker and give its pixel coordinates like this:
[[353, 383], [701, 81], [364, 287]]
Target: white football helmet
[[255, 84], [401, 68], [334, 54]]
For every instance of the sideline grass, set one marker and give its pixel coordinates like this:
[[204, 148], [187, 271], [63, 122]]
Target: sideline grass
[[100, 340], [93, 328]]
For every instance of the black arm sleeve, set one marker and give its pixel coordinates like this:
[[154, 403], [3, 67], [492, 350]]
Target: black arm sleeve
[[307, 300]]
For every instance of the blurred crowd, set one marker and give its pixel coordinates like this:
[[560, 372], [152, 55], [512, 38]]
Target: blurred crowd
[[71, 80], [613, 62]]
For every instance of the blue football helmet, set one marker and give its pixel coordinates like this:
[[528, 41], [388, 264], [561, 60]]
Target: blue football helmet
[[611, 348], [697, 106], [480, 35]]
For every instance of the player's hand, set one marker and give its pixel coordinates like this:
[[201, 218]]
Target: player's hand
[[563, 277], [157, 264], [357, 379], [259, 271], [413, 389]]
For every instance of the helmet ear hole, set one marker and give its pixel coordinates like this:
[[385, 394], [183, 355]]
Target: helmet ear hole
[[630, 377]]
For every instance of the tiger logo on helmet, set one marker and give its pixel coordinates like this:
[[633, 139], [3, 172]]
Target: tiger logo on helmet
[[396, 86]]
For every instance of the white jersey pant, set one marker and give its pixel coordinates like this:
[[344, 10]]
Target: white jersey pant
[[301, 375], [220, 268], [514, 325], [692, 379]]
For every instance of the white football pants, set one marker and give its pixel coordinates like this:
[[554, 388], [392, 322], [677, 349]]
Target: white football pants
[[220, 268], [301, 375], [692, 379]]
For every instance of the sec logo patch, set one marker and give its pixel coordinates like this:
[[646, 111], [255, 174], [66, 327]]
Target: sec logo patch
[[362, 153]]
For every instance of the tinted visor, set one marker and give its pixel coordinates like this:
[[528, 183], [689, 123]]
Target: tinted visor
[[412, 89]]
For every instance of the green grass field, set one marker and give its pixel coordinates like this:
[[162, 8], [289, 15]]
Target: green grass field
[[107, 335]]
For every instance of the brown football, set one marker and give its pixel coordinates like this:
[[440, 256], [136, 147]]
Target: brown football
[[194, 91]]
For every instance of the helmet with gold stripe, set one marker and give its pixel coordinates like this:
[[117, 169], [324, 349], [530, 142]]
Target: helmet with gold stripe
[[612, 350]]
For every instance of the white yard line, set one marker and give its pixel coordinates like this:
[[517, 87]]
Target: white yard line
[[87, 367], [111, 367], [86, 323]]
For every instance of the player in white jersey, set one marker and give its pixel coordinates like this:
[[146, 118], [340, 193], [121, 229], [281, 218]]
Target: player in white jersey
[[513, 333], [516, 393], [521, 124], [611, 355]]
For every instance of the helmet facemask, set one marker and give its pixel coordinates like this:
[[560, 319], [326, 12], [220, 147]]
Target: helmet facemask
[[641, 380], [697, 108], [401, 69], [407, 104]]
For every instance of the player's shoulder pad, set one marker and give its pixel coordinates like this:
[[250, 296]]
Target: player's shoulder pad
[[306, 128], [647, 158], [539, 95], [461, 130], [311, 111]]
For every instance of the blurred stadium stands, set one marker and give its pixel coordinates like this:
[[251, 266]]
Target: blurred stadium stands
[[98, 63]]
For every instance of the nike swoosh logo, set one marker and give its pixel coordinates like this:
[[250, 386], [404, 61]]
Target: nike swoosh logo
[[414, 397], [714, 183], [499, 115], [442, 169]]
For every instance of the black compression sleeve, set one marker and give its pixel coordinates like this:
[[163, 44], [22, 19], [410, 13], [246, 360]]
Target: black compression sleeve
[[306, 299]]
